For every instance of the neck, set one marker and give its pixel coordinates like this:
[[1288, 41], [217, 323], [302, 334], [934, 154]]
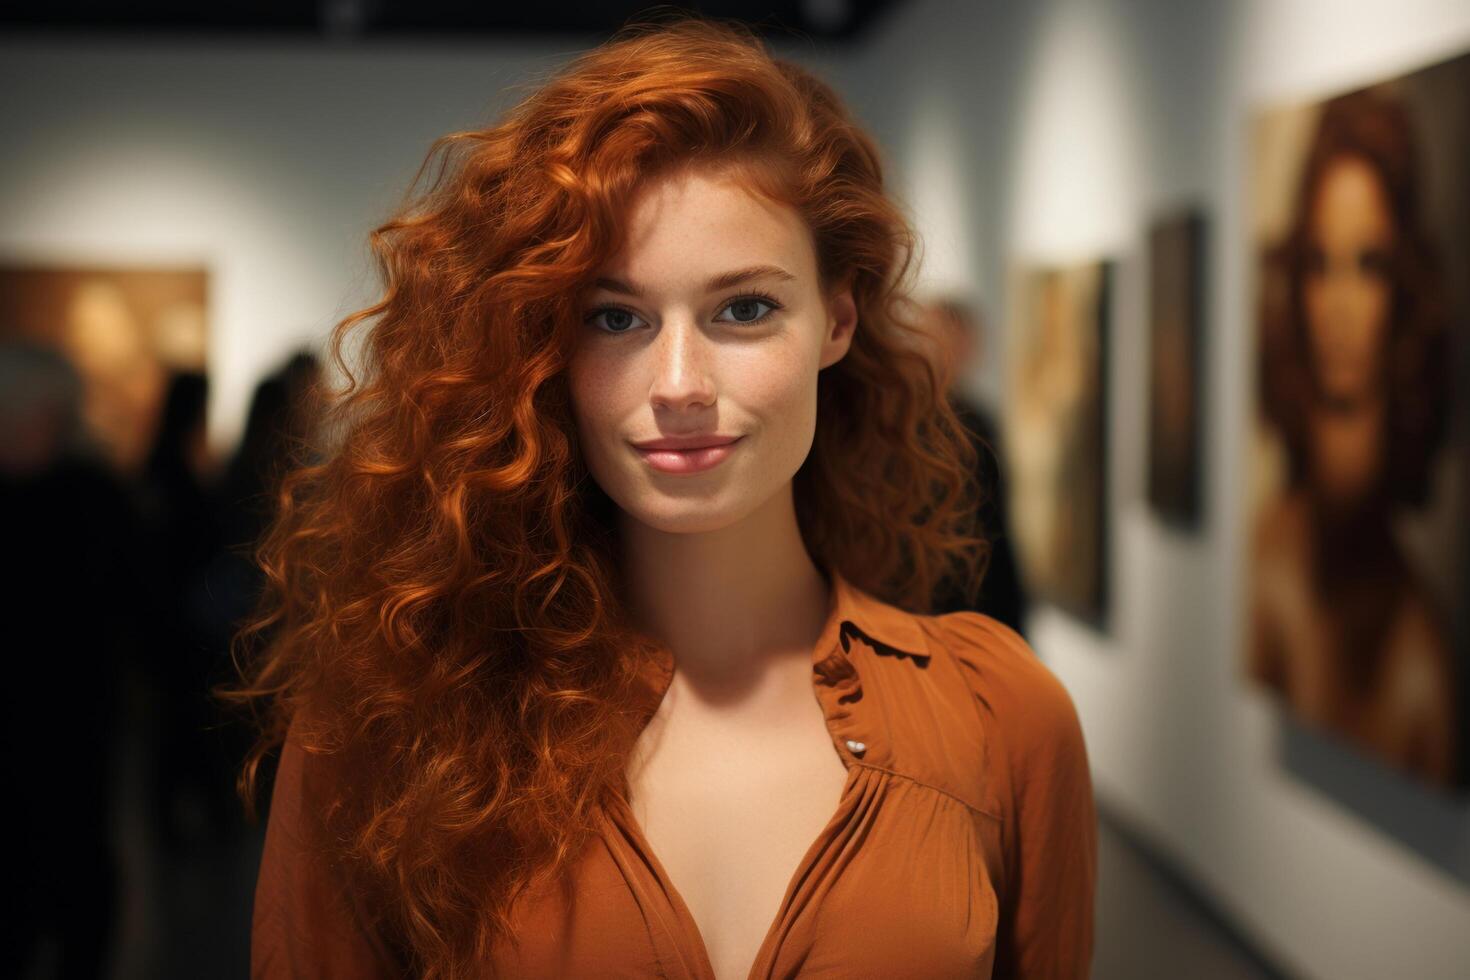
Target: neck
[[1347, 449], [726, 602]]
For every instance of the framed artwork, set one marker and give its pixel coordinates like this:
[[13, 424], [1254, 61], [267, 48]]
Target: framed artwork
[[125, 330], [1176, 368], [1056, 435], [1358, 497]]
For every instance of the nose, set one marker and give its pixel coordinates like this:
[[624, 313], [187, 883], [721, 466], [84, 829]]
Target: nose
[[681, 370]]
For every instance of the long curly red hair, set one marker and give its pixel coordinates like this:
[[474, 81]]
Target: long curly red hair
[[441, 616]]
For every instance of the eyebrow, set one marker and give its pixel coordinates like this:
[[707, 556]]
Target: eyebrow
[[722, 281]]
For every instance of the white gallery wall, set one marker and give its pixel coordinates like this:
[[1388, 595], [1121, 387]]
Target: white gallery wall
[[1065, 126]]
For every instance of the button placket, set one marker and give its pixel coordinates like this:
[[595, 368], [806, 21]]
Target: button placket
[[839, 688]]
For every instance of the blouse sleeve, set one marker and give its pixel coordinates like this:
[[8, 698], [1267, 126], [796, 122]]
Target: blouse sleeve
[[305, 924], [1050, 820]]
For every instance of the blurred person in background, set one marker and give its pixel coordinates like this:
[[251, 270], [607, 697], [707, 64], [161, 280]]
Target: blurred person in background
[[192, 801], [957, 345], [283, 410], [1355, 372], [76, 599]]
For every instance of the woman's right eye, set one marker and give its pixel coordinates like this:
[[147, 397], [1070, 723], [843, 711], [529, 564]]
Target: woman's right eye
[[618, 320]]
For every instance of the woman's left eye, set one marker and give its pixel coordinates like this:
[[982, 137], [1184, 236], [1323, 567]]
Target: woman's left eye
[[746, 309]]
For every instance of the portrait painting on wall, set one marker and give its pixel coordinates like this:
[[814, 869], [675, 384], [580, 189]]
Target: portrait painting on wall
[[125, 330], [1175, 402], [1357, 576], [1055, 438]]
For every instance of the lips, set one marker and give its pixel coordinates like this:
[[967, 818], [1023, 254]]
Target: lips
[[686, 443], [693, 454]]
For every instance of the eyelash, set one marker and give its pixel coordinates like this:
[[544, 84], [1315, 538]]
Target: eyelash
[[755, 294]]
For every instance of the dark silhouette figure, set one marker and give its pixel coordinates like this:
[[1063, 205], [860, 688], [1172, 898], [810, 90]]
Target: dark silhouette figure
[[955, 334], [193, 798], [282, 410], [74, 604], [1001, 594], [280, 413]]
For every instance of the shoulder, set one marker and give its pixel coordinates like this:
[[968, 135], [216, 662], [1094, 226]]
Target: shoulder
[[997, 663], [1419, 664], [1280, 528], [1033, 713], [1043, 786], [309, 916]]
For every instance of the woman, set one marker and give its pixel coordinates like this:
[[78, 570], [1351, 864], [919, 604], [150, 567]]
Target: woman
[[576, 644], [1355, 358]]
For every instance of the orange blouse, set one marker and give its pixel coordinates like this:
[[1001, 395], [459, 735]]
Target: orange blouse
[[964, 843]]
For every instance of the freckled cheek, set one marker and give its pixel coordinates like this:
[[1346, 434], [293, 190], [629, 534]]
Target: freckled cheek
[[595, 402], [781, 393]]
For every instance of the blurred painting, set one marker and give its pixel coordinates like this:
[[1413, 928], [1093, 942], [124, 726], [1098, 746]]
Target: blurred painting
[[1055, 435], [1175, 262], [125, 330], [1358, 473]]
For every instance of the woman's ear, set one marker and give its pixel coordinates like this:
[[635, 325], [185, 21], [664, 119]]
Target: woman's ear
[[841, 325]]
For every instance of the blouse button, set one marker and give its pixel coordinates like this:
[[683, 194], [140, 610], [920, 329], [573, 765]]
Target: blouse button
[[857, 748]]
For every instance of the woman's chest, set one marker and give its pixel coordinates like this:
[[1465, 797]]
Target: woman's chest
[[762, 849], [730, 822], [902, 880]]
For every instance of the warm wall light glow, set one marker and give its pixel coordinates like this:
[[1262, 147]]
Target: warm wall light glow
[[1076, 157], [1308, 47], [939, 188], [149, 196]]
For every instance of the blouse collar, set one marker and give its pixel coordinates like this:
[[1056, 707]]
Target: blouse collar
[[875, 619]]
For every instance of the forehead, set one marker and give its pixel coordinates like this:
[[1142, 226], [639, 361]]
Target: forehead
[[694, 223], [1351, 197]]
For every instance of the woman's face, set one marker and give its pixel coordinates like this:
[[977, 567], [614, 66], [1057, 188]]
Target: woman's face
[[1348, 291], [709, 327]]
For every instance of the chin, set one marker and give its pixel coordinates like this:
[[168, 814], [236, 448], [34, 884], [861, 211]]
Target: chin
[[684, 517], [691, 514]]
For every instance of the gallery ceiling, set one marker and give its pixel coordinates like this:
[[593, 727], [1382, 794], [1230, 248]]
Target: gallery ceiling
[[337, 20]]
